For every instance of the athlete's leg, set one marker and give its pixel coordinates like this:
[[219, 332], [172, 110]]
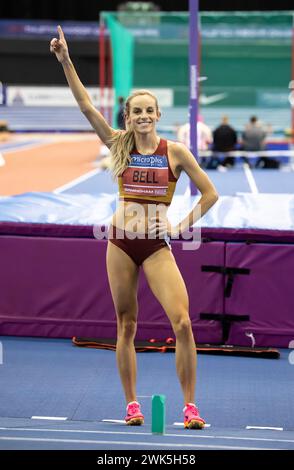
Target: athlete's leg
[[167, 284], [123, 279]]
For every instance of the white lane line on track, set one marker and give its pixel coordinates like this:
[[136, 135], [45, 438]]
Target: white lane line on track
[[250, 179], [127, 443], [189, 435], [77, 181], [270, 428], [51, 418], [2, 161], [119, 421]]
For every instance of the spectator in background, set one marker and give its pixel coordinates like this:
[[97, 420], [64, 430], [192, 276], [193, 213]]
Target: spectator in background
[[3, 127], [121, 113], [253, 138], [224, 140], [204, 134], [4, 131]]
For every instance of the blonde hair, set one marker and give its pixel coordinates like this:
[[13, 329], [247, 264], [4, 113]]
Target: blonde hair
[[123, 142]]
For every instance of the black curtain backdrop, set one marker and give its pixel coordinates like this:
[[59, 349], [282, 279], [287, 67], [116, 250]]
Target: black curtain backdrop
[[88, 10]]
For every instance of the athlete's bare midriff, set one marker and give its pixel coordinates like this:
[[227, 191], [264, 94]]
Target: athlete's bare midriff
[[136, 217]]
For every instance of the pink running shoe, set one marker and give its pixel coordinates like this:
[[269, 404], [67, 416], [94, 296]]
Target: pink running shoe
[[134, 416], [192, 419]]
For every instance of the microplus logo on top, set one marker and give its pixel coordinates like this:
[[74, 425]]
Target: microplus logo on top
[[159, 161]]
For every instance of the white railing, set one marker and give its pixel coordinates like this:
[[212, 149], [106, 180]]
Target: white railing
[[247, 153]]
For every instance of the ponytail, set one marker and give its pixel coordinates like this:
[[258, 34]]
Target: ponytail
[[122, 144]]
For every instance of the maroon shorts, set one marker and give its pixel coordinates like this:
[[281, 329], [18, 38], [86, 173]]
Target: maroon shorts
[[138, 249]]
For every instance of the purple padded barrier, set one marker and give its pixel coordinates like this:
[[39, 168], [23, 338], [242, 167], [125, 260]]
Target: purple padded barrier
[[24, 229], [58, 287], [205, 291], [266, 294], [54, 287]]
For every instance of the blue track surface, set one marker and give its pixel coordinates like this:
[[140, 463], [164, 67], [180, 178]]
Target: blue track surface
[[49, 377]]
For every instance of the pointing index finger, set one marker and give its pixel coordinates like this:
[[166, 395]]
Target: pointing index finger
[[61, 34]]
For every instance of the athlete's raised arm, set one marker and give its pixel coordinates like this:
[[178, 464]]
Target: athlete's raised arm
[[59, 47]]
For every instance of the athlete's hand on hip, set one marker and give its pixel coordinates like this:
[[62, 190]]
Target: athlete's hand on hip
[[161, 228], [59, 46]]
